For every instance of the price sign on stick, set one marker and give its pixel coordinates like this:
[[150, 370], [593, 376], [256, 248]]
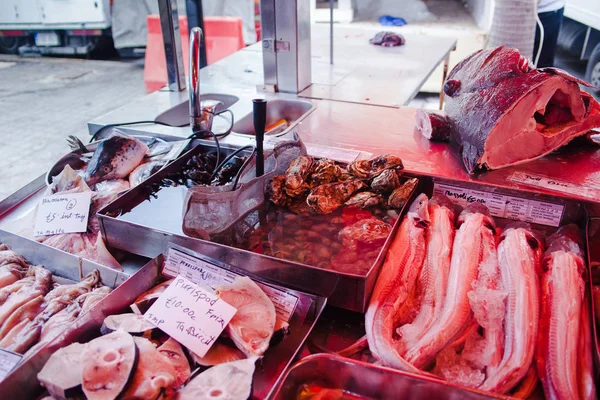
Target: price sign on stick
[[8, 361], [63, 213], [192, 315]]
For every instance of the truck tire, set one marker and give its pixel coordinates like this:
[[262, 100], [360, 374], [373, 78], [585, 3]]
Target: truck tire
[[592, 72], [10, 44]]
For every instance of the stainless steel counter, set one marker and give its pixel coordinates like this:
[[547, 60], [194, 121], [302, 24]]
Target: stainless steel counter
[[343, 116]]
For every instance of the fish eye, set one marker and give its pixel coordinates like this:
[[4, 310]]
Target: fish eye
[[106, 169]]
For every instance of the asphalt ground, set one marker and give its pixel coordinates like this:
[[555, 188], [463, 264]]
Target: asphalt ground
[[43, 100]]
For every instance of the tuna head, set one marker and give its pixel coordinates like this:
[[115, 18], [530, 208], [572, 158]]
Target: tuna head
[[419, 211], [115, 158]]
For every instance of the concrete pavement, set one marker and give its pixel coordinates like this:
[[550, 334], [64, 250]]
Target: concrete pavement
[[42, 100]]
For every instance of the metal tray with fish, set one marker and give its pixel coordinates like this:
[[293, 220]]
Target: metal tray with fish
[[75, 158], [23, 383], [336, 377], [344, 332], [144, 225], [65, 269]]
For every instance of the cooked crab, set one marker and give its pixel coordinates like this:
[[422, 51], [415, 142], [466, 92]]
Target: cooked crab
[[275, 191], [296, 175], [326, 198], [367, 169], [368, 230], [385, 182], [400, 196], [365, 200]]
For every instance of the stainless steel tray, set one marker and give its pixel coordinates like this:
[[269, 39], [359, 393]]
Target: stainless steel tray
[[22, 383], [593, 247], [156, 222], [16, 217], [65, 266], [366, 381]]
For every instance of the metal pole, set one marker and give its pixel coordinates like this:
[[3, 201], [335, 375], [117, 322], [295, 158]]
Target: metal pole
[[330, 31], [195, 16], [169, 22]]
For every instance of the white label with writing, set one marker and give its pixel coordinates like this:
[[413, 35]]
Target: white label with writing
[[196, 270], [207, 274], [192, 315], [551, 184], [63, 213], [511, 207], [8, 360]]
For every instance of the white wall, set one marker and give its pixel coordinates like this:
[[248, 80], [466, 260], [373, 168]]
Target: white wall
[[482, 11]]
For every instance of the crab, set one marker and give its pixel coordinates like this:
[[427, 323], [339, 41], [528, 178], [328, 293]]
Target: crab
[[385, 182], [297, 174], [367, 169], [327, 198], [365, 200], [368, 231], [400, 195]]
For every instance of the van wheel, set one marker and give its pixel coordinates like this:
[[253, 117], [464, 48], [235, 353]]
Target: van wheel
[[592, 72], [10, 44]]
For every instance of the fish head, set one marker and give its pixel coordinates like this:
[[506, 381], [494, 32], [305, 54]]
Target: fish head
[[419, 210], [478, 208], [115, 156], [442, 200]]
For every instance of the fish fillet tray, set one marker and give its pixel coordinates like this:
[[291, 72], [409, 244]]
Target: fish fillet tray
[[65, 266], [23, 384]]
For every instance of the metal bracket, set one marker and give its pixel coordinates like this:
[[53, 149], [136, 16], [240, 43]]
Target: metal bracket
[[275, 45]]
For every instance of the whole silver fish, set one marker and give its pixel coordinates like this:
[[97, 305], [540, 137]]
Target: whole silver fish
[[115, 158]]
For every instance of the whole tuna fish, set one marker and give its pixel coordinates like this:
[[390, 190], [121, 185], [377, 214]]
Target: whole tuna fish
[[115, 158], [502, 111]]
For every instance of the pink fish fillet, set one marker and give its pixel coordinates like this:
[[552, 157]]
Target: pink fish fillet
[[564, 337], [434, 274], [519, 256], [473, 244], [585, 367], [395, 283]]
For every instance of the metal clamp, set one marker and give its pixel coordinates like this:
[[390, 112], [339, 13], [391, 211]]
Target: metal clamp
[[275, 45]]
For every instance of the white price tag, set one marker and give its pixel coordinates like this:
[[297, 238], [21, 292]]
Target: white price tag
[[191, 315], [196, 270], [551, 184], [63, 213], [8, 361], [510, 207], [206, 274]]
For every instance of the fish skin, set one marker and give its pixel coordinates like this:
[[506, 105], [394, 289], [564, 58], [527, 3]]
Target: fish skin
[[434, 273], [395, 283], [519, 255], [585, 366], [252, 326], [473, 243], [115, 158]]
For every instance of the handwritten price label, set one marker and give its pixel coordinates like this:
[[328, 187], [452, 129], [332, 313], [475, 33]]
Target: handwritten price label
[[193, 316], [63, 213], [202, 272]]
